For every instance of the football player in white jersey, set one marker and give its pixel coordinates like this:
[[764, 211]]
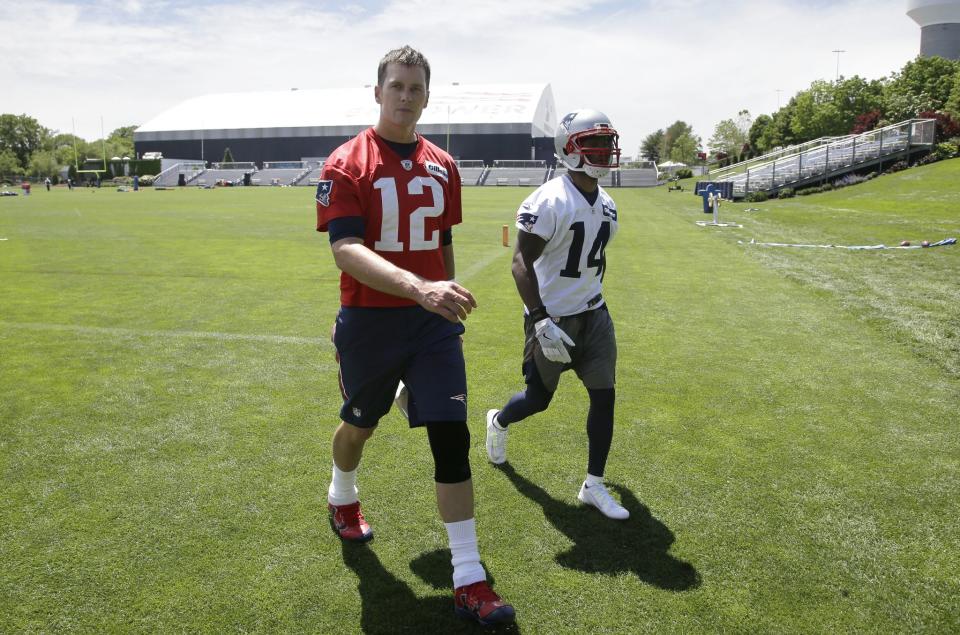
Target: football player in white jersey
[[558, 266]]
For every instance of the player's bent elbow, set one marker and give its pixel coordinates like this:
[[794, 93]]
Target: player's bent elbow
[[344, 252]]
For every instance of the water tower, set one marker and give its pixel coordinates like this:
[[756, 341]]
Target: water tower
[[939, 22]]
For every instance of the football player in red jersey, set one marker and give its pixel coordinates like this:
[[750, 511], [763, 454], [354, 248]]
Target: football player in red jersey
[[389, 199]]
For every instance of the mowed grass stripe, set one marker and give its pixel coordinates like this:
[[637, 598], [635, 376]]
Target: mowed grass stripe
[[122, 332]]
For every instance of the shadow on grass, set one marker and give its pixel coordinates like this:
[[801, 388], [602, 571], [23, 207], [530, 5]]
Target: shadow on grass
[[639, 545], [388, 605]]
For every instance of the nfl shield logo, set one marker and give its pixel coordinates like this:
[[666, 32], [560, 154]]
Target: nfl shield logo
[[407, 164], [324, 189]]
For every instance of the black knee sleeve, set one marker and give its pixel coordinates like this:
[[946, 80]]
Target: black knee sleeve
[[450, 445]]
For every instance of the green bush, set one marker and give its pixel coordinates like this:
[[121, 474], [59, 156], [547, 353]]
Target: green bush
[[826, 187], [944, 150], [684, 173], [756, 197], [786, 192], [147, 179]]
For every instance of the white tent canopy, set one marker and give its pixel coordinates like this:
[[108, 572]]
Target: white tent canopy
[[467, 109]]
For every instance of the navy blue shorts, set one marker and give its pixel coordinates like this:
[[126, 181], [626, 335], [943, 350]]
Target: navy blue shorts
[[380, 346]]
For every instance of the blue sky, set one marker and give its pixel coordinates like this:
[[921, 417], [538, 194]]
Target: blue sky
[[645, 63]]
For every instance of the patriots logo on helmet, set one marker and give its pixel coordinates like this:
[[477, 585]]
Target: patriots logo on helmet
[[324, 189], [566, 121], [527, 220]]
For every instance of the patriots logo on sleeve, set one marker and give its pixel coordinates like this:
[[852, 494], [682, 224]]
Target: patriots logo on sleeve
[[324, 189], [527, 220], [609, 211]]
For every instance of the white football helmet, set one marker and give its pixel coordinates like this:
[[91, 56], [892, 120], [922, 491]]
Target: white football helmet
[[587, 142]]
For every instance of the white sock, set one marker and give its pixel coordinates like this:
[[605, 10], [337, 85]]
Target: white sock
[[593, 480], [465, 553], [343, 487]]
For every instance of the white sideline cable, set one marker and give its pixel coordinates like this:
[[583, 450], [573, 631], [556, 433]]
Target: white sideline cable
[[942, 243]]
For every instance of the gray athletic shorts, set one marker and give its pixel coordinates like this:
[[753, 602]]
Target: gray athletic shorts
[[593, 358]]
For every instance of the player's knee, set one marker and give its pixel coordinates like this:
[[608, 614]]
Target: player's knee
[[602, 400], [450, 445], [538, 397], [355, 434]]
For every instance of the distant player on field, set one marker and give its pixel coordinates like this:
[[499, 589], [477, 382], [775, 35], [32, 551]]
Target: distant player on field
[[558, 266], [388, 199]]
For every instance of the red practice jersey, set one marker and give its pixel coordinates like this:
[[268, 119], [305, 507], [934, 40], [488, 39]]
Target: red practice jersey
[[406, 206]]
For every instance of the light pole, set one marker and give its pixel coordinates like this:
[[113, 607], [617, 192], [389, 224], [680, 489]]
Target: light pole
[[778, 98], [838, 52]]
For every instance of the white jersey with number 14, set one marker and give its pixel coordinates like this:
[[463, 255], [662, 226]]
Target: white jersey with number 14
[[570, 270]]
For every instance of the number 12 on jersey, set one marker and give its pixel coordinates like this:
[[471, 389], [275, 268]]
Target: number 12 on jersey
[[390, 205]]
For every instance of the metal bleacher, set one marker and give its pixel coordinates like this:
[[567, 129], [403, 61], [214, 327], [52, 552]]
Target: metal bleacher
[[646, 175], [522, 173], [217, 177], [171, 176], [827, 158], [515, 173], [471, 171], [310, 177], [275, 176]]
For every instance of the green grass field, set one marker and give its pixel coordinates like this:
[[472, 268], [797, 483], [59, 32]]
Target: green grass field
[[786, 434]]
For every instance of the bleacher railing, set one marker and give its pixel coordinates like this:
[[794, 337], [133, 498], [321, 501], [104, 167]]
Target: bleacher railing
[[519, 163], [283, 165], [470, 163], [235, 165]]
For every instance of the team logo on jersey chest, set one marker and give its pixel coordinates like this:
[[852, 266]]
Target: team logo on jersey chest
[[324, 189], [436, 170], [407, 164]]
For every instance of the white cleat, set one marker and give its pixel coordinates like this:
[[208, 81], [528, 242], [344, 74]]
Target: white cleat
[[598, 496], [401, 399], [496, 440]]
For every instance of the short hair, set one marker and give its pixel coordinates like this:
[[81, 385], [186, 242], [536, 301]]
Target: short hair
[[406, 55]]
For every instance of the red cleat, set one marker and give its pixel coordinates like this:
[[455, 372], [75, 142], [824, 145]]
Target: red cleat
[[478, 602], [348, 523]]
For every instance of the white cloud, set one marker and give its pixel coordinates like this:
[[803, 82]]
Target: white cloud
[[646, 64]]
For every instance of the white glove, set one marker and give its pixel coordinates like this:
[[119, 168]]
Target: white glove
[[552, 338]]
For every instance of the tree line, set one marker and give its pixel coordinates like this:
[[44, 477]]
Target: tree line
[[927, 87], [30, 149]]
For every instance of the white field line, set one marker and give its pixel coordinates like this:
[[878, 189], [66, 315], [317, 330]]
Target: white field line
[[480, 264], [209, 335]]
